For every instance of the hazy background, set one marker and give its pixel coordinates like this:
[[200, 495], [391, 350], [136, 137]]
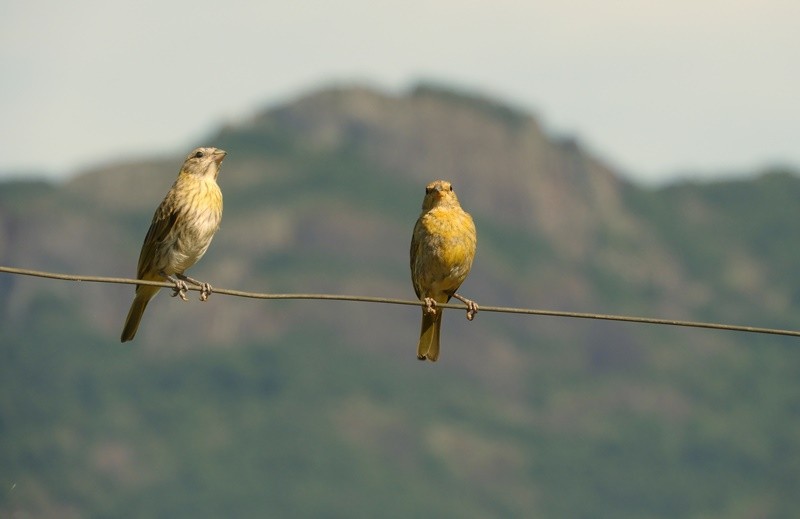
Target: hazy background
[[246, 408], [659, 89]]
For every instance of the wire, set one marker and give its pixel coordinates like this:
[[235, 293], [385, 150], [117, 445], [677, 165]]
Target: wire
[[386, 300]]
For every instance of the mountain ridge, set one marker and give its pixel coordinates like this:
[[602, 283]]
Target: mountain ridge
[[240, 407]]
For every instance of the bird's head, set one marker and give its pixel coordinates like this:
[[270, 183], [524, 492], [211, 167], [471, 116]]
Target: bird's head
[[437, 193], [204, 162]]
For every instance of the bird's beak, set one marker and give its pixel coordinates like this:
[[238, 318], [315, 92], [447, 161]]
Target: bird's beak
[[219, 155]]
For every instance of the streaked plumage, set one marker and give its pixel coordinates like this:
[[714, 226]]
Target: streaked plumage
[[180, 233], [442, 249]]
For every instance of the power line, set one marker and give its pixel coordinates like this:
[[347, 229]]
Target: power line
[[386, 300]]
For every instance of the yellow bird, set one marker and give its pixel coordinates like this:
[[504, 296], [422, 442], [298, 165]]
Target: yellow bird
[[180, 233], [442, 249]]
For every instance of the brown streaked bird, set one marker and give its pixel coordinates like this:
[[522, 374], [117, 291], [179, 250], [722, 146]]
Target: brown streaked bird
[[442, 249], [180, 233]]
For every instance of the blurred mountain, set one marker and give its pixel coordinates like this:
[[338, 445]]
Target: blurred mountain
[[241, 408]]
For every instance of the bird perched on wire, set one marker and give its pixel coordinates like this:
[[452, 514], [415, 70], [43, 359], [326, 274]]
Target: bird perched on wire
[[180, 233], [442, 249]]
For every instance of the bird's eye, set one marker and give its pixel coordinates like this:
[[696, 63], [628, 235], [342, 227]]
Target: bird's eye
[[451, 188], [428, 190], [199, 155]]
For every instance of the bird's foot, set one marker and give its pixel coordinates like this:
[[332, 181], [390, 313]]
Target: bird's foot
[[472, 306], [205, 288], [180, 289], [430, 305], [205, 291]]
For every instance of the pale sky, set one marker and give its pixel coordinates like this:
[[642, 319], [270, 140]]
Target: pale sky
[[658, 88]]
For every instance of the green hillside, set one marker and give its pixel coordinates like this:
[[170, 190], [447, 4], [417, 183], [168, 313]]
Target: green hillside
[[247, 408]]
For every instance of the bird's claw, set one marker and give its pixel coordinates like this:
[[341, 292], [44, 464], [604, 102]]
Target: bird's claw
[[430, 305], [472, 306], [472, 310], [180, 289], [205, 291]]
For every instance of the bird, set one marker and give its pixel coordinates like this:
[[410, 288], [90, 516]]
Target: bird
[[180, 233], [442, 250]]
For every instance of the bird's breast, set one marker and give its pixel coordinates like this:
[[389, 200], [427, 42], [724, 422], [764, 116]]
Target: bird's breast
[[446, 243], [197, 221]]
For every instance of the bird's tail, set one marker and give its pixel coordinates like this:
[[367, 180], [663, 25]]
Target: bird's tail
[[428, 347], [143, 296]]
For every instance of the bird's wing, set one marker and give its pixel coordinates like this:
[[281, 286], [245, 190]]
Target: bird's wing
[[163, 222], [416, 240]]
